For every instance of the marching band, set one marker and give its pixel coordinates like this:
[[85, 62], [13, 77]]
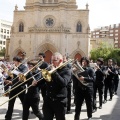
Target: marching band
[[27, 80]]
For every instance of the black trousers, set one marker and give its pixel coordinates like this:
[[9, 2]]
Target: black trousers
[[9, 112], [98, 86], [53, 107], [108, 85], [69, 98], [116, 82], [81, 95], [32, 102]]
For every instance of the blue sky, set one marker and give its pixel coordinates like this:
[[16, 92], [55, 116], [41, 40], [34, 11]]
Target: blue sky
[[102, 12]]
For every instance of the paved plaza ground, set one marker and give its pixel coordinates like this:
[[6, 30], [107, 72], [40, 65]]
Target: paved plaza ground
[[110, 110]]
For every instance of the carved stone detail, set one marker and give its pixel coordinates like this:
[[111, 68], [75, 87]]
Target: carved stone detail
[[54, 29]]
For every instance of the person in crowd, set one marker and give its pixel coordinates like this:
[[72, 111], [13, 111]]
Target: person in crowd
[[56, 90], [116, 79], [99, 83], [84, 91], [32, 97], [20, 68], [110, 73], [44, 65], [68, 88]]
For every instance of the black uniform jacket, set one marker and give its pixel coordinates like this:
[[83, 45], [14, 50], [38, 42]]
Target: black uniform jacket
[[100, 74], [33, 91], [22, 69], [57, 88]]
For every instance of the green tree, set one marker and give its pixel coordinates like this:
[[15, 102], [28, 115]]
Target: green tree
[[103, 51], [2, 52], [115, 55]]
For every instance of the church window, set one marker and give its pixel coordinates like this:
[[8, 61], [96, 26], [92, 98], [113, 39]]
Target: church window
[[79, 27], [49, 22], [21, 27]]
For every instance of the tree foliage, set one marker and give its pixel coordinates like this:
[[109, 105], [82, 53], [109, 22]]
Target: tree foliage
[[2, 52], [106, 52], [103, 51]]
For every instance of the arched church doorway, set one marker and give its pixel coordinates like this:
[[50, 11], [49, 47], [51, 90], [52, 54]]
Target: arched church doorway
[[48, 55], [77, 56]]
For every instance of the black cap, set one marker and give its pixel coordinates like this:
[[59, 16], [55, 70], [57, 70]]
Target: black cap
[[42, 54]]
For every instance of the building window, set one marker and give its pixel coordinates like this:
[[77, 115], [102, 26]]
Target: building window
[[1, 36], [79, 27], [4, 36], [49, 22], [116, 41], [4, 30], [111, 31], [97, 32], [21, 27], [1, 30], [1, 42], [97, 36], [111, 34], [116, 45], [7, 31], [7, 36], [116, 34], [116, 38]]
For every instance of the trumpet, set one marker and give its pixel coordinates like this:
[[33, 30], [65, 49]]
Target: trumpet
[[47, 74], [79, 70]]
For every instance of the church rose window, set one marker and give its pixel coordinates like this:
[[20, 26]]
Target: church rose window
[[49, 22]]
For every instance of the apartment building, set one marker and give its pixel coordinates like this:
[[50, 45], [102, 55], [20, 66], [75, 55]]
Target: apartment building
[[5, 27], [111, 32]]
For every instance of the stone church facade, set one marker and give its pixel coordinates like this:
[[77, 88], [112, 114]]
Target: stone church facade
[[50, 26]]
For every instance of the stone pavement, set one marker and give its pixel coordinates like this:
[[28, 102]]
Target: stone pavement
[[110, 110]]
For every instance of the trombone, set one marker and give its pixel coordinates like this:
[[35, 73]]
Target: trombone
[[25, 88], [21, 91], [47, 74], [10, 73], [22, 78]]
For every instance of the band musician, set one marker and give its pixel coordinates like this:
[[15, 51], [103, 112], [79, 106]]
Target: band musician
[[32, 97], [56, 90], [99, 83], [84, 91], [20, 69]]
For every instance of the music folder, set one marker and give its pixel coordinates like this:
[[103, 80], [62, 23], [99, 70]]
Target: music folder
[[84, 74]]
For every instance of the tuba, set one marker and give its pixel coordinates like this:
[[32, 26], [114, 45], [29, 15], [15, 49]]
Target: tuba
[[78, 71]]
